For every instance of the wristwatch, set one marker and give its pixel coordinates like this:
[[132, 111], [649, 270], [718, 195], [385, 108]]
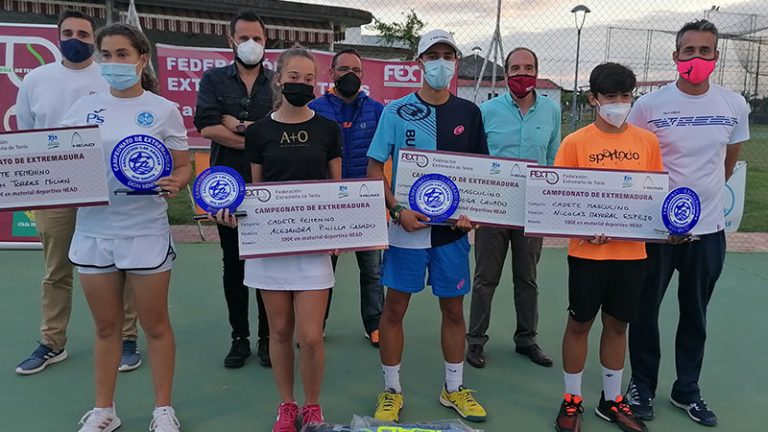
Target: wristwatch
[[395, 211], [241, 127]]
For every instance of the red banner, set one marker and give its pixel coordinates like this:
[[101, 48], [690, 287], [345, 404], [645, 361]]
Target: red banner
[[23, 47], [181, 68]]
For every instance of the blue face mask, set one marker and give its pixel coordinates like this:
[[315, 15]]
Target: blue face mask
[[119, 76], [439, 73], [76, 50]]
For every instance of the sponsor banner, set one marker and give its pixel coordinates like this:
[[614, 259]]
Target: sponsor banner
[[23, 47], [52, 168], [571, 202], [296, 218], [180, 70], [734, 197], [491, 189]]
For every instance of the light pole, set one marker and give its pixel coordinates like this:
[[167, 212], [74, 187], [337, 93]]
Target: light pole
[[578, 11], [476, 50]]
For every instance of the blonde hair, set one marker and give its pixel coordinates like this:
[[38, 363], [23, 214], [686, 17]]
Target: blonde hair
[[296, 51]]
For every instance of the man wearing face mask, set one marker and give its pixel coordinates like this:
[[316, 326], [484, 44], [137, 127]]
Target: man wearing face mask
[[358, 115], [431, 119], [701, 127], [34, 110], [230, 98], [525, 125]]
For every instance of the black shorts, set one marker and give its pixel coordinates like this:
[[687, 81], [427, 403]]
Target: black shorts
[[614, 285]]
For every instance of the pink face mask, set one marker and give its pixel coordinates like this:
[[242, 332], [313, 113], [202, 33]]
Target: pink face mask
[[695, 70]]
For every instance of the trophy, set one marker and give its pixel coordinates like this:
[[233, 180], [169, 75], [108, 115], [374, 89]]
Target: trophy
[[435, 196], [138, 162], [218, 188]]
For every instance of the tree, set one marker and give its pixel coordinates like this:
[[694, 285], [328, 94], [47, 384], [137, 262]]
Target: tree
[[407, 32]]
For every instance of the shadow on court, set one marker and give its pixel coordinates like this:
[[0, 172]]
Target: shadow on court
[[518, 395]]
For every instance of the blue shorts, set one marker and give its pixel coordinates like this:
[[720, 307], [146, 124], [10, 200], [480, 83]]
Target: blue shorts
[[405, 269]]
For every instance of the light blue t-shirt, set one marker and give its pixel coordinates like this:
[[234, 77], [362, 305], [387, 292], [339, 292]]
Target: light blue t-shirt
[[534, 136]]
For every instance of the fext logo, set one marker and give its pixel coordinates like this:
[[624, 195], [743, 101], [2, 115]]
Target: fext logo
[[262, 195], [420, 160], [402, 75], [550, 177]]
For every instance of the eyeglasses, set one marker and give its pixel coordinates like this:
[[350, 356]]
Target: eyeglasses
[[245, 103], [345, 69]]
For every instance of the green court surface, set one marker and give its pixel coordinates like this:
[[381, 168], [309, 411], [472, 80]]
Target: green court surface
[[518, 395]]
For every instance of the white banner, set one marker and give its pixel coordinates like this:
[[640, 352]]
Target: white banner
[[734, 197], [295, 218], [50, 168], [491, 189], [570, 202]]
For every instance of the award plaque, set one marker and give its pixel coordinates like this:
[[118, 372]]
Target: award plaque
[[434, 195], [138, 162], [681, 210], [218, 188]]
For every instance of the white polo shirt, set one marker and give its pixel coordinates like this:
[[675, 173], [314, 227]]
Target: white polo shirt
[[693, 133], [117, 118]]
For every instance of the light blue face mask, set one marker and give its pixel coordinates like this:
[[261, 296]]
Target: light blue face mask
[[439, 73], [120, 76]]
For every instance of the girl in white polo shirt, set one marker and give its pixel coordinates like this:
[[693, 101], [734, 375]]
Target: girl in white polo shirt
[[128, 243], [291, 144]]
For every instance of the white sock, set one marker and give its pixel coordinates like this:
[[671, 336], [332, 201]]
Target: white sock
[[392, 377], [573, 383], [110, 410], [611, 383], [454, 376]]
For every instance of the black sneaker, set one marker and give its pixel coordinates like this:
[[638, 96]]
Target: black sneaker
[[570, 416], [262, 352], [475, 356], [640, 402], [240, 350], [697, 410], [619, 412]]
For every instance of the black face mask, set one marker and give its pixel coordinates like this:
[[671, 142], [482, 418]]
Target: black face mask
[[298, 94], [348, 85]]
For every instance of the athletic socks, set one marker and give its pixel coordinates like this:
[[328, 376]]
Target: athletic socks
[[573, 383], [392, 377], [611, 383], [454, 376]]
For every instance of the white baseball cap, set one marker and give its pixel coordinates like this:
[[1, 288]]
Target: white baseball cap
[[433, 37]]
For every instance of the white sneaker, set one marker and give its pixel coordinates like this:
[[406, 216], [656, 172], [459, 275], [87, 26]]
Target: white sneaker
[[100, 420], [164, 420]]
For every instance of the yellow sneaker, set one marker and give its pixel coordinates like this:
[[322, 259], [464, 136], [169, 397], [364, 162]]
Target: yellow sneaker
[[464, 404], [388, 406]]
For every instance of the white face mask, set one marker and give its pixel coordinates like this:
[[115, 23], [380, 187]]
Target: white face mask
[[615, 114], [250, 52]]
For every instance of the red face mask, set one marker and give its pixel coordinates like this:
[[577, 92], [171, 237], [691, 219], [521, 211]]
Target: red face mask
[[521, 85], [695, 70]]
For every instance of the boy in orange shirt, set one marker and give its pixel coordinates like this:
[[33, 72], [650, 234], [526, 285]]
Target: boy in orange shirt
[[604, 273]]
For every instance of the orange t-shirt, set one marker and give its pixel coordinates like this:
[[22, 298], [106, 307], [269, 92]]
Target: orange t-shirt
[[634, 149]]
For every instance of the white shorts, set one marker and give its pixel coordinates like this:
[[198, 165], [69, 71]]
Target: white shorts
[[139, 255], [290, 273]]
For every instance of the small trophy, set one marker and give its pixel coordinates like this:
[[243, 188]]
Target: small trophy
[[217, 188], [138, 162], [435, 196], [681, 210]]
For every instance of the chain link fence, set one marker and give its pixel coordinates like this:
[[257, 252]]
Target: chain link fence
[[639, 34]]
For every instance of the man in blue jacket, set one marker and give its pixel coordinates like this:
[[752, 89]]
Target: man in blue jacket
[[357, 115]]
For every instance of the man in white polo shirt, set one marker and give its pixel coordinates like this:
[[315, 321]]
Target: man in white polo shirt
[[701, 127]]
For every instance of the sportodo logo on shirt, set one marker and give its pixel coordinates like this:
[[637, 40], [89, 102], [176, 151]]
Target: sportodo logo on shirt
[[401, 75], [145, 119], [618, 155]]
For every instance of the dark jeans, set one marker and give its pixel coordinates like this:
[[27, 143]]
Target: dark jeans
[[235, 292], [371, 291], [491, 245], [699, 264]]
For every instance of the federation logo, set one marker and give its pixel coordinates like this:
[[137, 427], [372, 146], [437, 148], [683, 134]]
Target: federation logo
[[495, 168], [145, 119], [681, 210], [434, 195], [53, 141], [217, 188], [343, 191], [138, 161], [420, 160]]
